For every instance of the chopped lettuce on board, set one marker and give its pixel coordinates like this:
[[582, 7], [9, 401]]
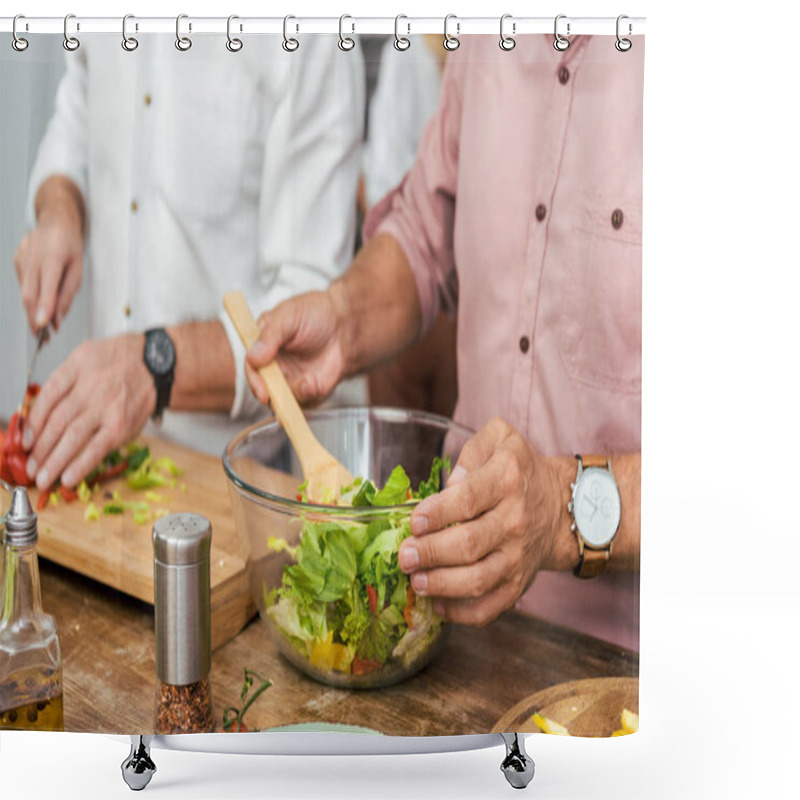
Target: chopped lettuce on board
[[344, 603]]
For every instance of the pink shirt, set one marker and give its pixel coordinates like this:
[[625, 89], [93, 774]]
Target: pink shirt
[[523, 212]]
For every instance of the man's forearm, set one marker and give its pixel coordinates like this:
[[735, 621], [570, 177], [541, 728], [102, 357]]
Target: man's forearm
[[625, 550], [59, 198], [205, 374], [377, 305]]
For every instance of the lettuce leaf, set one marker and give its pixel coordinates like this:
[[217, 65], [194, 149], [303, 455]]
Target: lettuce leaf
[[431, 486], [395, 491], [326, 562], [365, 494], [381, 636]]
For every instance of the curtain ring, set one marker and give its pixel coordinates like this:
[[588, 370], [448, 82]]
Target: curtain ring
[[290, 44], [233, 44], [183, 43], [623, 45], [71, 43], [560, 43], [451, 42], [346, 43], [401, 42], [17, 42], [507, 42], [129, 43]]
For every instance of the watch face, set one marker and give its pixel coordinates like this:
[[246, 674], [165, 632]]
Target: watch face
[[159, 352], [596, 507]]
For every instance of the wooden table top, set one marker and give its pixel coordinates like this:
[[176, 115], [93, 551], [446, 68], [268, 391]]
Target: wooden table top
[[108, 653]]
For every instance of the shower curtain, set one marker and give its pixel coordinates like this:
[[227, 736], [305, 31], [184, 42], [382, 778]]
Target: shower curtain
[[480, 209]]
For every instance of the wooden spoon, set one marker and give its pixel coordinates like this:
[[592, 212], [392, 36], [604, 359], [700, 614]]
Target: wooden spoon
[[320, 469]]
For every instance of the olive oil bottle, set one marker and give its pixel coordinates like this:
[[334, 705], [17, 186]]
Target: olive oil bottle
[[30, 656]]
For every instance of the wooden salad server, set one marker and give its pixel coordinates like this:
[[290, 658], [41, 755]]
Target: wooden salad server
[[320, 469]]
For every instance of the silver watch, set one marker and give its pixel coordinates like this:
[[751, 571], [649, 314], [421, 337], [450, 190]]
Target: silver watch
[[596, 511]]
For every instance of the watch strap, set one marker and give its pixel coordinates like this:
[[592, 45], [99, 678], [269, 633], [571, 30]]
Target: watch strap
[[592, 562], [163, 383], [594, 461], [163, 393]]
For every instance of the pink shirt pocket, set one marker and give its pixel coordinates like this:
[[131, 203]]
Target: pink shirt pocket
[[600, 332]]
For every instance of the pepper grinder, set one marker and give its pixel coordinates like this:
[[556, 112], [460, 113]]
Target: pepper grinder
[[182, 576]]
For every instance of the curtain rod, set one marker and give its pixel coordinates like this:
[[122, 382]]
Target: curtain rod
[[349, 25]]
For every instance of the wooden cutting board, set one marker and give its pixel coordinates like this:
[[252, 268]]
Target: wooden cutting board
[[590, 707], [117, 552]]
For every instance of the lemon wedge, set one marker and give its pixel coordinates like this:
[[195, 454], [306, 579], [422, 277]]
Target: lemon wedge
[[548, 725], [630, 723]]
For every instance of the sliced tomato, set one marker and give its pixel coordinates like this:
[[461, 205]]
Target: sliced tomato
[[111, 472], [363, 666], [13, 458], [31, 394], [41, 503], [16, 465], [69, 495], [372, 596]]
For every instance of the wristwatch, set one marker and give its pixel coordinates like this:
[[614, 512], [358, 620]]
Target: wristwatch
[[159, 358], [596, 509]]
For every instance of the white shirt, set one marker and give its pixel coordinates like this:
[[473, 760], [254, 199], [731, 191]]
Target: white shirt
[[206, 171], [407, 94]]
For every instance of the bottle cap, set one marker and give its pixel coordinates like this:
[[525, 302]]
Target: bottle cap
[[182, 539], [21, 520]]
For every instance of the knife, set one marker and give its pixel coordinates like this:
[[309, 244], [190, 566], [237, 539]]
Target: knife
[[41, 338]]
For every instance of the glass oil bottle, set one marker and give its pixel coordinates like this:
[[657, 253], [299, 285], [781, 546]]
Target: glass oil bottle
[[30, 656]]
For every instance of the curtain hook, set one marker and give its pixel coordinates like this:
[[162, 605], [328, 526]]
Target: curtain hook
[[71, 43], [233, 44], [289, 44], [623, 45], [451, 42], [507, 42], [183, 43], [17, 42], [129, 43], [346, 43], [560, 43], [401, 42]]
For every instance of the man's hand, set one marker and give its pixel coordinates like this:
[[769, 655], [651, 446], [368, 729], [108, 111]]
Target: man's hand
[[366, 317], [99, 399], [303, 333], [49, 259], [478, 544]]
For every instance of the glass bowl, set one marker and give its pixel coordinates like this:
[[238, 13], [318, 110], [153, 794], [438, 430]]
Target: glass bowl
[[346, 616]]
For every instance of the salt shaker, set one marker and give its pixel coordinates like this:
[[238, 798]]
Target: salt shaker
[[182, 575]]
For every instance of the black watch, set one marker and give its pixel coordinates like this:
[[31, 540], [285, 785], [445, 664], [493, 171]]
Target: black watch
[[159, 358]]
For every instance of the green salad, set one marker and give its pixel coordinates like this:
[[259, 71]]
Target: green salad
[[343, 603]]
